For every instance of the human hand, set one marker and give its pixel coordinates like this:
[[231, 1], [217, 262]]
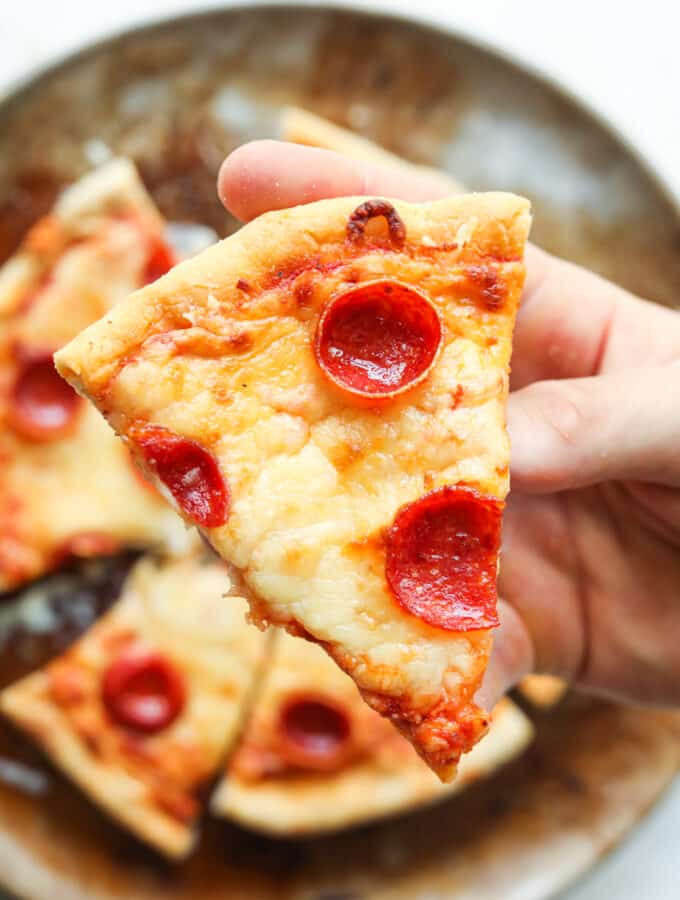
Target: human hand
[[590, 569]]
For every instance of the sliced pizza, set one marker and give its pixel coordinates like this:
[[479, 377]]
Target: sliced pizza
[[315, 758], [323, 393], [299, 126], [140, 712], [67, 487]]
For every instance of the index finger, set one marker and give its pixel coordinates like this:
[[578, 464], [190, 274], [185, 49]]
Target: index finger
[[265, 175]]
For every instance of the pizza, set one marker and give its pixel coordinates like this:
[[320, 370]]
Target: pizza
[[299, 126], [141, 711], [323, 394], [315, 758], [67, 487]]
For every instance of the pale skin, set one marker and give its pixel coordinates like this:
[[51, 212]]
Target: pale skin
[[590, 574]]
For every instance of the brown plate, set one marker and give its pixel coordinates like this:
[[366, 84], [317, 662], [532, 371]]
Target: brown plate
[[176, 97]]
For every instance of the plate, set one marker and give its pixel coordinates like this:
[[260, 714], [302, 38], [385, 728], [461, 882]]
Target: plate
[[176, 97]]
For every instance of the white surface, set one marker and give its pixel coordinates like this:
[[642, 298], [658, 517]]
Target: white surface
[[621, 57]]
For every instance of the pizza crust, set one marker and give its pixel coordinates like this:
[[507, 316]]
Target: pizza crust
[[149, 783]]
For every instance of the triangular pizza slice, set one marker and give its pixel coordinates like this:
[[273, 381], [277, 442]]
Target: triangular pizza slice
[[315, 758], [67, 488], [323, 394], [142, 709]]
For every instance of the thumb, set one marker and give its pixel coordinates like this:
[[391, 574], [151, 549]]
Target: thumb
[[571, 433]]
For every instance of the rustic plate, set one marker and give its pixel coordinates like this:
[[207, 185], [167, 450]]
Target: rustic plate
[[176, 97]]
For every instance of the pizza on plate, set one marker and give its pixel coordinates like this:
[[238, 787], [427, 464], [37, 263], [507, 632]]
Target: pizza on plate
[[67, 487], [323, 394], [315, 758], [141, 711]]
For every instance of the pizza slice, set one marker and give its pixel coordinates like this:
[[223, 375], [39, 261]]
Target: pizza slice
[[67, 487], [323, 394], [299, 126], [141, 711], [315, 758]]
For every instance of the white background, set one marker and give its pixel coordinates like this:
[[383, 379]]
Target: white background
[[622, 57]]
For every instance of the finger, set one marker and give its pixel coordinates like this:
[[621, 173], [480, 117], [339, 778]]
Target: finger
[[265, 175], [573, 324], [571, 433], [511, 658]]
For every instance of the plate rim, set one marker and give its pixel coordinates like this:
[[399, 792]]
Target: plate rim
[[17, 90]]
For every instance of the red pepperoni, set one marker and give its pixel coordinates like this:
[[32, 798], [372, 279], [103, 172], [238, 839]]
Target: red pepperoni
[[143, 690], [190, 473], [378, 340], [160, 260], [314, 732], [43, 407], [442, 552]]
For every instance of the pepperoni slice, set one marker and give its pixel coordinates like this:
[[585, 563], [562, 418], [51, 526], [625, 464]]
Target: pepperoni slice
[[378, 340], [43, 407], [442, 552], [143, 690], [160, 260], [315, 732], [190, 473]]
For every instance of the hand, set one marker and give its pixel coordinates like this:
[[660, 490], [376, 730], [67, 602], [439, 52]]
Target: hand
[[590, 569]]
